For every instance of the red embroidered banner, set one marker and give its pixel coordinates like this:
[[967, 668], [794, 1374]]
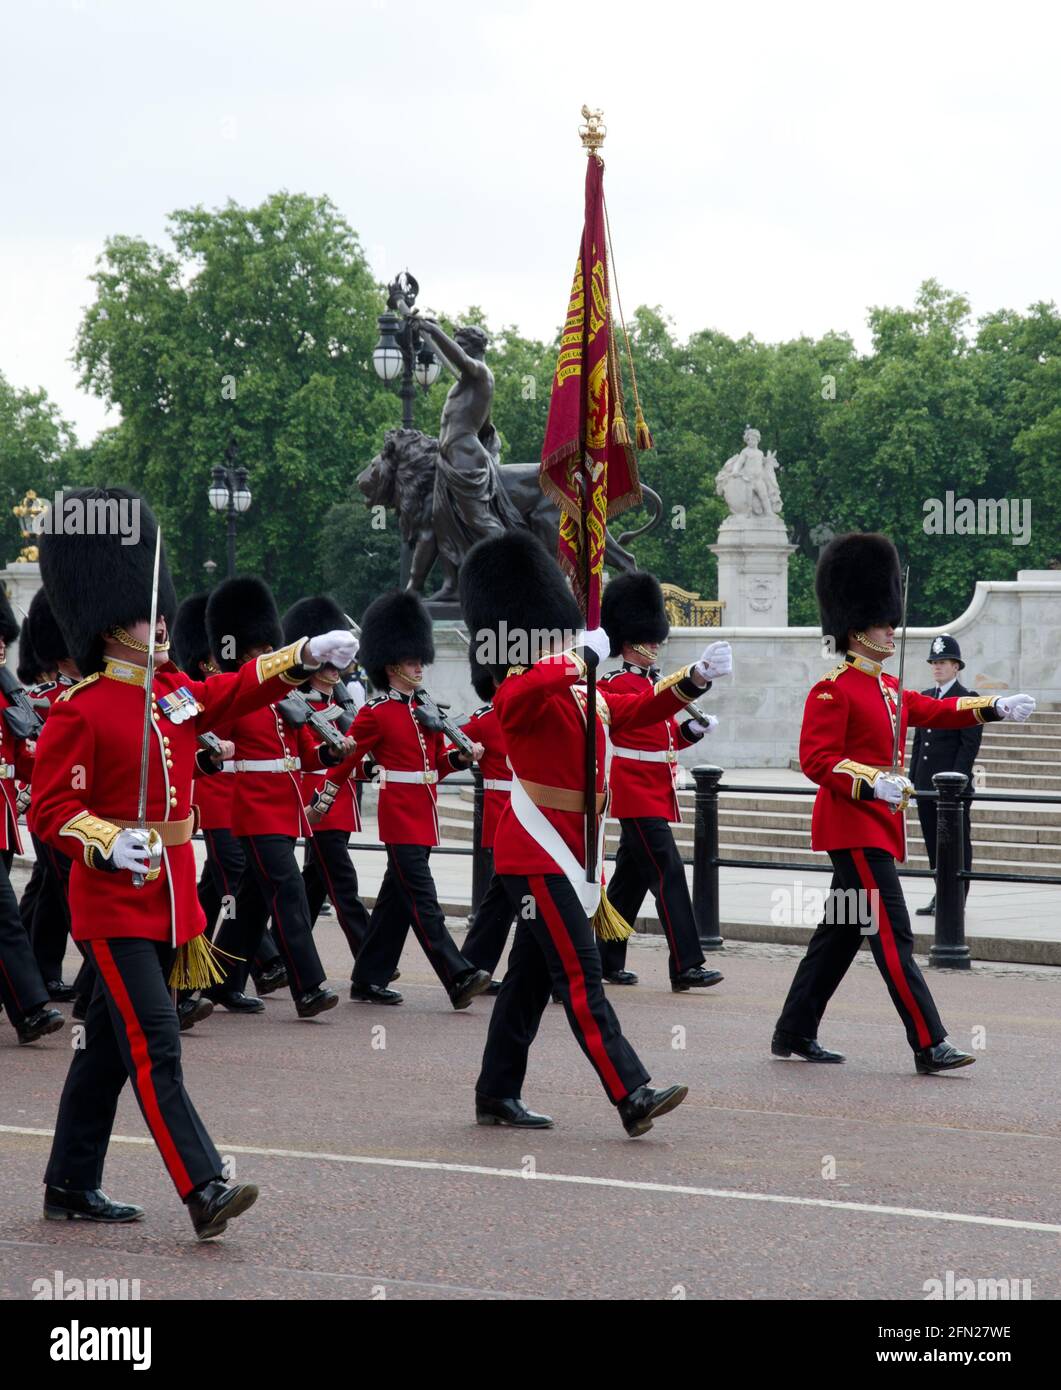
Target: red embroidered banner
[[587, 451]]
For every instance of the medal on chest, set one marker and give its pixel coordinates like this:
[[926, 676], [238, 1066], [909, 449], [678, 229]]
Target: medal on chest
[[179, 705]]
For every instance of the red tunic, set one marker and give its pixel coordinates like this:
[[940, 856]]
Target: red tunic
[[387, 729], [212, 794], [87, 776], [545, 731], [344, 814], [483, 727], [847, 735], [270, 803], [642, 788], [16, 762]]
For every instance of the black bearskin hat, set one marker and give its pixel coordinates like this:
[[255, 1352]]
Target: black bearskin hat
[[45, 633], [190, 642], [309, 617], [395, 627], [511, 588], [858, 585], [8, 621], [29, 670], [241, 615], [94, 581], [482, 679], [632, 610]]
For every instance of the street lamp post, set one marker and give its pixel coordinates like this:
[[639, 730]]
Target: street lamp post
[[230, 494], [401, 352]]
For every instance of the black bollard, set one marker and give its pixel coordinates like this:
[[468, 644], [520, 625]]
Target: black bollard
[[949, 950], [480, 856], [705, 857]]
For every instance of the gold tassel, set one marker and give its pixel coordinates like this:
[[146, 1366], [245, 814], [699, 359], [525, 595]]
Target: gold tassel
[[644, 435], [608, 922], [197, 964], [620, 434]]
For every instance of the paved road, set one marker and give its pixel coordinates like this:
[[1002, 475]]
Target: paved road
[[377, 1183]]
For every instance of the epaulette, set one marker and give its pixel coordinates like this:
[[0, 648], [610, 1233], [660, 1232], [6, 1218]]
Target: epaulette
[[483, 709], [69, 694], [836, 671], [610, 676], [379, 700], [41, 688]]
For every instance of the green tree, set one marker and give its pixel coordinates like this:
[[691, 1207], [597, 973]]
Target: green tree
[[257, 327], [36, 454]]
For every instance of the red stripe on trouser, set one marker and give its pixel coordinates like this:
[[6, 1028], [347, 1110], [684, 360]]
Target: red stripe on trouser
[[145, 1086], [343, 923], [671, 942], [11, 987], [290, 962], [576, 982], [891, 950], [418, 926]]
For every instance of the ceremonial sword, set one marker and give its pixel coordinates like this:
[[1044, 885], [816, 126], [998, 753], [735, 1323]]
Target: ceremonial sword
[[896, 766], [149, 680]]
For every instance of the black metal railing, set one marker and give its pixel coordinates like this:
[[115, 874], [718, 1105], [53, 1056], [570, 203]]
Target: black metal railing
[[949, 949]]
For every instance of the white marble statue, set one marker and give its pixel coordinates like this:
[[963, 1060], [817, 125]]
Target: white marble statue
[[748, 480]]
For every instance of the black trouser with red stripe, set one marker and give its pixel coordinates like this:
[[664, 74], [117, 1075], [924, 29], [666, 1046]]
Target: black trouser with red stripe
[[131, 1032], [220, 885], [485, 943], [408, 898], [49, 920], [273, 888], [648, 861], [328, 872], [22, 989], [870, 883], [554, 951]]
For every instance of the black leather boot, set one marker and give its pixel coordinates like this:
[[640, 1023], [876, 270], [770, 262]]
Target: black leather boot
[[39, 1024], [467, 986], [644, 1105], [375, 994], [508, 1112], [696, 977], [214, 1205], [810, 1049], [316, 1001], [941, 1056], [60, 1204]]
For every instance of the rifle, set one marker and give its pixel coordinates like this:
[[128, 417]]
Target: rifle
[[20, 716], [211, 743], [427, 713], [342, 697], [298, 711]]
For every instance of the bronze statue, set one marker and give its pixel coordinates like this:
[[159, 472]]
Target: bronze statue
[[404, 478]]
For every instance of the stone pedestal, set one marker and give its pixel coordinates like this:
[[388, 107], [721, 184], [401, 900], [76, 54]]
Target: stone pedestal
[[753, 571], [21, 581]]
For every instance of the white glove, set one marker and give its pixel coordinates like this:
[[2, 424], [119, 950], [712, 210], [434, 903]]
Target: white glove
[[597, 640], [893, 788], [1016, 707], [697, 725], [130, 851], [715, 660], [337, 648]]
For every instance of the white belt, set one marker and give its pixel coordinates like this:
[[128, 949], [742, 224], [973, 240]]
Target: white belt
[[497, 784], [287, 764], [647, 755], [387, 774], [7, 770]]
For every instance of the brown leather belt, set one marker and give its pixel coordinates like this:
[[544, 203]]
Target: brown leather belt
[[170, 832], [559, 798]]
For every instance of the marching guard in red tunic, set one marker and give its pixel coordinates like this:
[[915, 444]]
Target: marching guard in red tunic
[[44, 908], [331, 807], [23, 991], [272, 748], [515, 600], [846, 746], [396, 644], [221, 881], [643, 785], [488, 930], [133, 901]]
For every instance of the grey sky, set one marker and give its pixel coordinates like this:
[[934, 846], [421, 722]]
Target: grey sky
[[772, 169]]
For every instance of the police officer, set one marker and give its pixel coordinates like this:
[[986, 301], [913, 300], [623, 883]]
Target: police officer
[[944, 750]]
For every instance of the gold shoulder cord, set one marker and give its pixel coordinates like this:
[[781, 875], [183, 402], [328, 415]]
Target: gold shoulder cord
[[69, 694]]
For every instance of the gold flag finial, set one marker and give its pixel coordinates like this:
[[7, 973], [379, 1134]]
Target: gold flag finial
[[593, 131], [29, 511]]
